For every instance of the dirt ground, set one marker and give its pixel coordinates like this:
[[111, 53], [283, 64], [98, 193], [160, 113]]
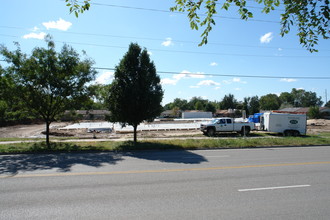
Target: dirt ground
[[314, 126]]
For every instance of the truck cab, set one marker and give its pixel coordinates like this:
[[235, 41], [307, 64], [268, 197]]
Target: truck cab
[[226, 125]]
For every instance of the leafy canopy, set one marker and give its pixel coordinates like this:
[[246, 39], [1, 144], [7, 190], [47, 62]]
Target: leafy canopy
[[310, 17], [136, 93], [49, 82]]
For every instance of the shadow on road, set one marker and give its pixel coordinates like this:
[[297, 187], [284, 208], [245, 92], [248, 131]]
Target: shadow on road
[[175, 156], [12, 164], [167, 153], [64, 161]]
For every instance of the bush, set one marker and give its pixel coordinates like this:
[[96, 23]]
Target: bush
[[314, 112]]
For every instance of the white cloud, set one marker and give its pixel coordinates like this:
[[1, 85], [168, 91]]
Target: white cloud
[[218, 87], [188, 74], [35, 28], [150, 53], [234, 80], [238, 80], [60, 25], [168, 81], [280, 49], [208, 83], [194, 87], [213, 64], [288, 80], [105, 78], [185, 74], [237, 89], [39, 36], [168, 42], [266, 38]]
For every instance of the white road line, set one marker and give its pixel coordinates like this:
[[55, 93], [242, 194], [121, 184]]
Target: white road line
[[272, 188]]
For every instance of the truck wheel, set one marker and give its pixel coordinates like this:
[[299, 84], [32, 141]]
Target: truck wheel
[[210, 132], [245, 131]]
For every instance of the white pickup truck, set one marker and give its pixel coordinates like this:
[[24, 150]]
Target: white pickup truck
[[226, 125]]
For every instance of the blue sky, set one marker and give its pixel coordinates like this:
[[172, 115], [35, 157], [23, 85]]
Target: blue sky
[[236, 48]]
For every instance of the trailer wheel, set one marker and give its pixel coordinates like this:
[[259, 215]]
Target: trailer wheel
[[210, 132], [287, 133], [295, 133], [245, 131]]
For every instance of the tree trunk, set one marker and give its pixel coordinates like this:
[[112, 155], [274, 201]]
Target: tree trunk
[[135, 139], [47, 134]]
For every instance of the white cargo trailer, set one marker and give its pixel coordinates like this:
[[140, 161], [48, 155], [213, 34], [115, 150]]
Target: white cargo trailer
[[287, 124]]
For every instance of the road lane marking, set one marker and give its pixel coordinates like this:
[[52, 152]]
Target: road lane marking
[[272, 188], [161, 171]]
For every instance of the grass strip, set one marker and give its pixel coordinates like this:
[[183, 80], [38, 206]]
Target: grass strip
[[168, 144]]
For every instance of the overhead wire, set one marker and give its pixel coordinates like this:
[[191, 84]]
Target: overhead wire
[[232, 75], [185, 51]]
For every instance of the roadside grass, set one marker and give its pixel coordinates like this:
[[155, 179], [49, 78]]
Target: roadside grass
[[168, 144]]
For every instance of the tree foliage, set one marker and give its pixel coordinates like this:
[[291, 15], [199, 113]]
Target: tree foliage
[[228, 102], [195, 103], [136, 93], [327, 104], [99, 95], [49, 82], [310, 17], [251, 105], [270, 102], [302, 98], [314, 112]]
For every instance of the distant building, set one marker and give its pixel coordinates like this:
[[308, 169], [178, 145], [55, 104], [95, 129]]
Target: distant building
[[325, 112], [196, 114], [71, 115]]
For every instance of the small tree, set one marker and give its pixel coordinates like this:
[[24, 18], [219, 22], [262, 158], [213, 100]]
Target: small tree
[[314, 112], [228, 102], [136, 93], [327, 104], [269, 102], [49, 82]]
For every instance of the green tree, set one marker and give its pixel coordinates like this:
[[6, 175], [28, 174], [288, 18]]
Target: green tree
[[210, 107], [182, 104], [304, 98], [270, 102], [327, 104], [99, 95], [49, 82], [197, 103], [136, 93], [314, 112], [228, 102], [286, 98], [251, 105], [310, 17], [199, 106]]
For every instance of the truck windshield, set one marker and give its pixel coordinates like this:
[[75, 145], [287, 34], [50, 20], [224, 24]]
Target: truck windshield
[[215, 121]]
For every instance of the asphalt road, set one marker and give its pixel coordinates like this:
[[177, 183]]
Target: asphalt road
[[265, 183]]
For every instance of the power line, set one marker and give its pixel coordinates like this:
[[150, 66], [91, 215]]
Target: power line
[[232, 75], [191, 52], [157, 39], [176, 12], [198, 52]]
